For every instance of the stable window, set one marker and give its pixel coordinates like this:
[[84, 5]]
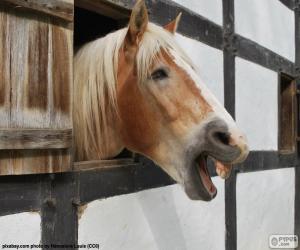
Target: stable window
[[287, 114], [92, 21]]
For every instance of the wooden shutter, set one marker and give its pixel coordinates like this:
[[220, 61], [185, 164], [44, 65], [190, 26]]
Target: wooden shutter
[[36, 70]]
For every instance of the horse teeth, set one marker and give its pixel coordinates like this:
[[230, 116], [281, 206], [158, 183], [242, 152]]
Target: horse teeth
[[223, 170]]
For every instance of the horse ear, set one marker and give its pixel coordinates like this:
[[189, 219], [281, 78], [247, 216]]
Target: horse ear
[[138, 23], [172, 26]]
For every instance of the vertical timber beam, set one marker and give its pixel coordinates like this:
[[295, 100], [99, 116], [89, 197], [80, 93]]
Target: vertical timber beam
[[297, 69], [59, 211], [229, 102]]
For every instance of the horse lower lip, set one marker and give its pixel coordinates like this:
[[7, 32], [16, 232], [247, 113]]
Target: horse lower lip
[[204, 175]]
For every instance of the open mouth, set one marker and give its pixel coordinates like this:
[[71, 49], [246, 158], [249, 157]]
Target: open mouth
[[222, 169]]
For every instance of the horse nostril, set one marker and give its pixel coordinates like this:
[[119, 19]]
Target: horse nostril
[[222, 137]]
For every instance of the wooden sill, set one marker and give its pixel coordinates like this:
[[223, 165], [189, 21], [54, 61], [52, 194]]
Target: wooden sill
[[102, 164]]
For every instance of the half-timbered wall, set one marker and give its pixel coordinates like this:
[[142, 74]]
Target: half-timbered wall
[[240, 47], [164, 218]]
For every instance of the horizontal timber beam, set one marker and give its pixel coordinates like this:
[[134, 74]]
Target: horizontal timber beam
[[130, 178], [58, 8], [101, 164], [35, 139], [106, 8]]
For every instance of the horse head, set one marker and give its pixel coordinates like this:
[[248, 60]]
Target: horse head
[[166, 111]]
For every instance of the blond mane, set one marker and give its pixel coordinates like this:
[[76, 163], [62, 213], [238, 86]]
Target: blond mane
[[95, 78]]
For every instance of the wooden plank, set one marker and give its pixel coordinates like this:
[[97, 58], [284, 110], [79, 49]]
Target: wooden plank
[[21, 162], [4, 71], [62, 58], [287, 113], [38, 50], [102, 164], [57, 8], [30, 101], [35, 139], [114, 9]]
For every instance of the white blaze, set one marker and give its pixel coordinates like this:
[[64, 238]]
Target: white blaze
[[218, 109]]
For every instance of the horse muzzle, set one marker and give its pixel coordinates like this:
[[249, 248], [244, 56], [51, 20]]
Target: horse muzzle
[[224, 145]]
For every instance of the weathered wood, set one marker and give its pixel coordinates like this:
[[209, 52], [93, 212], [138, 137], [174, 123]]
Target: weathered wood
[[57, 8], [20, 162], [35, 139], [4, 71], [287, 115], [62, 70], [36, 91], [38, 49], [114, 9], [102, 164]]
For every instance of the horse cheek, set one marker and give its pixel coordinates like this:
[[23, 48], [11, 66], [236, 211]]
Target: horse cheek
[[139, 125]]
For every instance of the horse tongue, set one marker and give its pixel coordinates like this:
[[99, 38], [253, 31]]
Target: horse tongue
[[223, 170]]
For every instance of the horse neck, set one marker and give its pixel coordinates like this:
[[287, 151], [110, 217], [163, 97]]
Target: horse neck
[[101, 143]]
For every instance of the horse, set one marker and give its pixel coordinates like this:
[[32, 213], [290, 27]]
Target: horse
[[136, 88]]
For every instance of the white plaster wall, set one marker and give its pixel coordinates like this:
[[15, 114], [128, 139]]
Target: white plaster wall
[[265, 206], [209, 62], [257, 104], [22, 228], [269, 23], [162, 218], [210, 9]]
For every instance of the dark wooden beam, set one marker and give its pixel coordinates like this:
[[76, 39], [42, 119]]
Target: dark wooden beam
[[267, 160], [102, 164], [113, 9], [254, 52], [58, 8], [59, 211], [19, 194], [229, 102], [288, 3], [120, 180], [230, 213]]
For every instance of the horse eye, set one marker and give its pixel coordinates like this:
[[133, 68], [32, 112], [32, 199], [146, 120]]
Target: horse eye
[[159, 74]]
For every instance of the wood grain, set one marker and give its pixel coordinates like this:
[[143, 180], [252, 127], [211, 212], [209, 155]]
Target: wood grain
[[4, 78], [115, 9], [35, 99], [38, 49], [4, 72], [287, 115], [62, 52], [35, 138], [103, 164], [57, 8]]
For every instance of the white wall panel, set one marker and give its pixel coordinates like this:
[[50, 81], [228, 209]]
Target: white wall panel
[[162, 218], [257, 104], [265, 206], [19, 229], [116, 223], [203, 223], [210, 9], [209, 62], [269, 23]]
